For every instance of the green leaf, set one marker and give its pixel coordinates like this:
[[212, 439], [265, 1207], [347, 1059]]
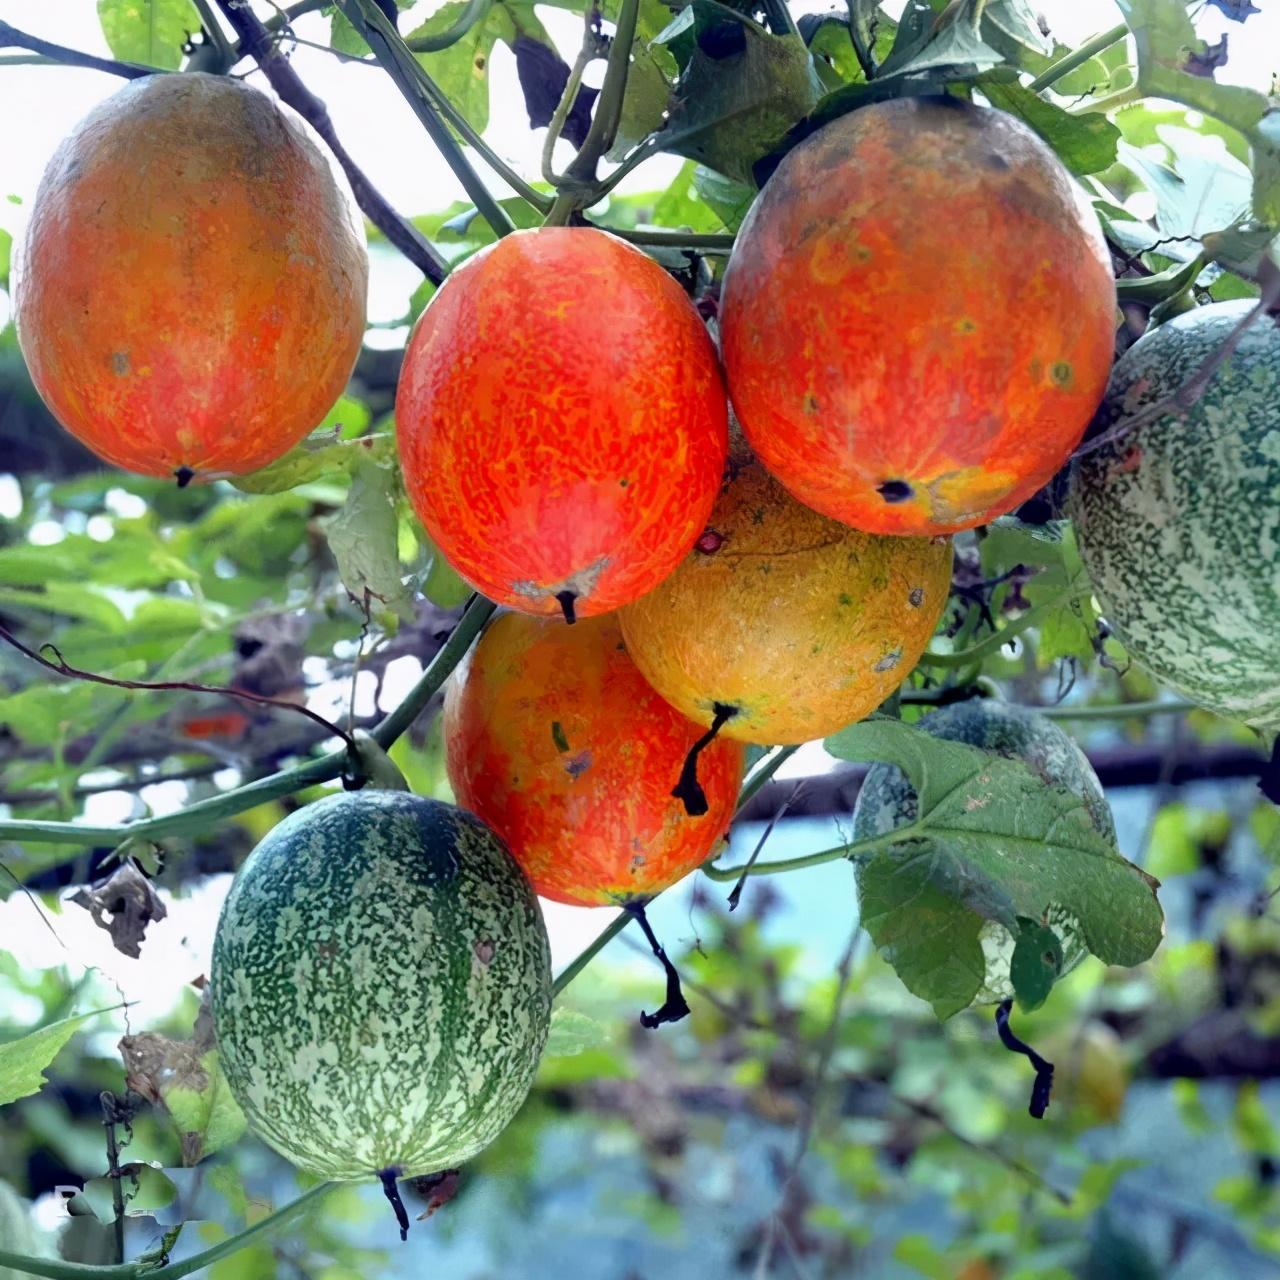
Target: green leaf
[[1164, 38], [23, 1061], [1204, 188], [950, 40], [653, 71], [6, 253], [731, 111], [1084, 143], [990, 836], [309, 462], [1014, 22], [1069, 629], [443, 585], [44, 714], [1035, 964], [364, 538], [148, 31], [682, 206], [572, 1033], [728, 198], [462, 70]]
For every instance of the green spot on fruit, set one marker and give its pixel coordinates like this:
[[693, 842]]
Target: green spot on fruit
[[1062, 373], [557, 736], [846, 598]]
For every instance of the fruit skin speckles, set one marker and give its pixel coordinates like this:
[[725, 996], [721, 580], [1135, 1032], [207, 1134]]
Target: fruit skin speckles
[[175, 191], [997, 353], [381, 986], [1178, 524], [513, 449], [818, 641], [599, 825]]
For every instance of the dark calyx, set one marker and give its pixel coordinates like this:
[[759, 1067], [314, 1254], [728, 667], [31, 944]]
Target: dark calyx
[[184, 476], [688, 789], [389, 1189], [566, 599], [895, 491]]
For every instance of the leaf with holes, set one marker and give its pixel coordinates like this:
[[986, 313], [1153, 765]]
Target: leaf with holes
[[990, 841], [148, 31]]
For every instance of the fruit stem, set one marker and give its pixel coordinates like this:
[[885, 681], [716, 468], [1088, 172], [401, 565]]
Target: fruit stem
[[56, 1269], [474, 14], [993, 643], [389, 1189], [675, 1006], [1043, 1084], [688, 789], [608, 112], [1078, 57], [400, 64]]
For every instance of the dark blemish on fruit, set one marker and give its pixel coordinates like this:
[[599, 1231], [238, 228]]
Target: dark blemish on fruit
[[811, 404], [916, 597], [637, 861], [120, 363], [889, 661], [845, 598], [996, 162], [895, 491], [557, 736], [710, 542], [577, 765], [624, 482], [1062, 373]]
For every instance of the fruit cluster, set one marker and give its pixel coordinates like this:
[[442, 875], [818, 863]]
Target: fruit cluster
[[916, 325]]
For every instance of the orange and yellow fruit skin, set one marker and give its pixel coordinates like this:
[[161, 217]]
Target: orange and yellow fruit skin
[[561, 420], [562, 747], [191, 290], [799, 622], [918, 317]]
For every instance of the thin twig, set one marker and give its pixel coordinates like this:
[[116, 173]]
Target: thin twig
[[257, 40], [735, 894], [12, 38], [403, 68], [62, 667]]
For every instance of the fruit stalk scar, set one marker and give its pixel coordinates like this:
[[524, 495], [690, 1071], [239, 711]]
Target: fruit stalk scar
[[674, 1007], [389, 1189]]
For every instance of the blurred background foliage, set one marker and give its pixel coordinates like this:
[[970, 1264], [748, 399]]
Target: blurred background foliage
[[811, 1118]]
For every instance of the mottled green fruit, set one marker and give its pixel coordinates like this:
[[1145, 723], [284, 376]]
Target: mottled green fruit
[[1178, 522], [381, 986], [887, 800]]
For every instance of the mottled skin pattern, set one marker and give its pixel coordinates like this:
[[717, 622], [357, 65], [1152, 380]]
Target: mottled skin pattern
[[801, 623], [1179, 522], [191, 290], [917, 317], [381, 986], [887, 800], [558, 742], [562, 421]]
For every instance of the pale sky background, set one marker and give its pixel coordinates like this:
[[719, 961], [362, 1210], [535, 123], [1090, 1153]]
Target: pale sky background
[[40, 104]]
